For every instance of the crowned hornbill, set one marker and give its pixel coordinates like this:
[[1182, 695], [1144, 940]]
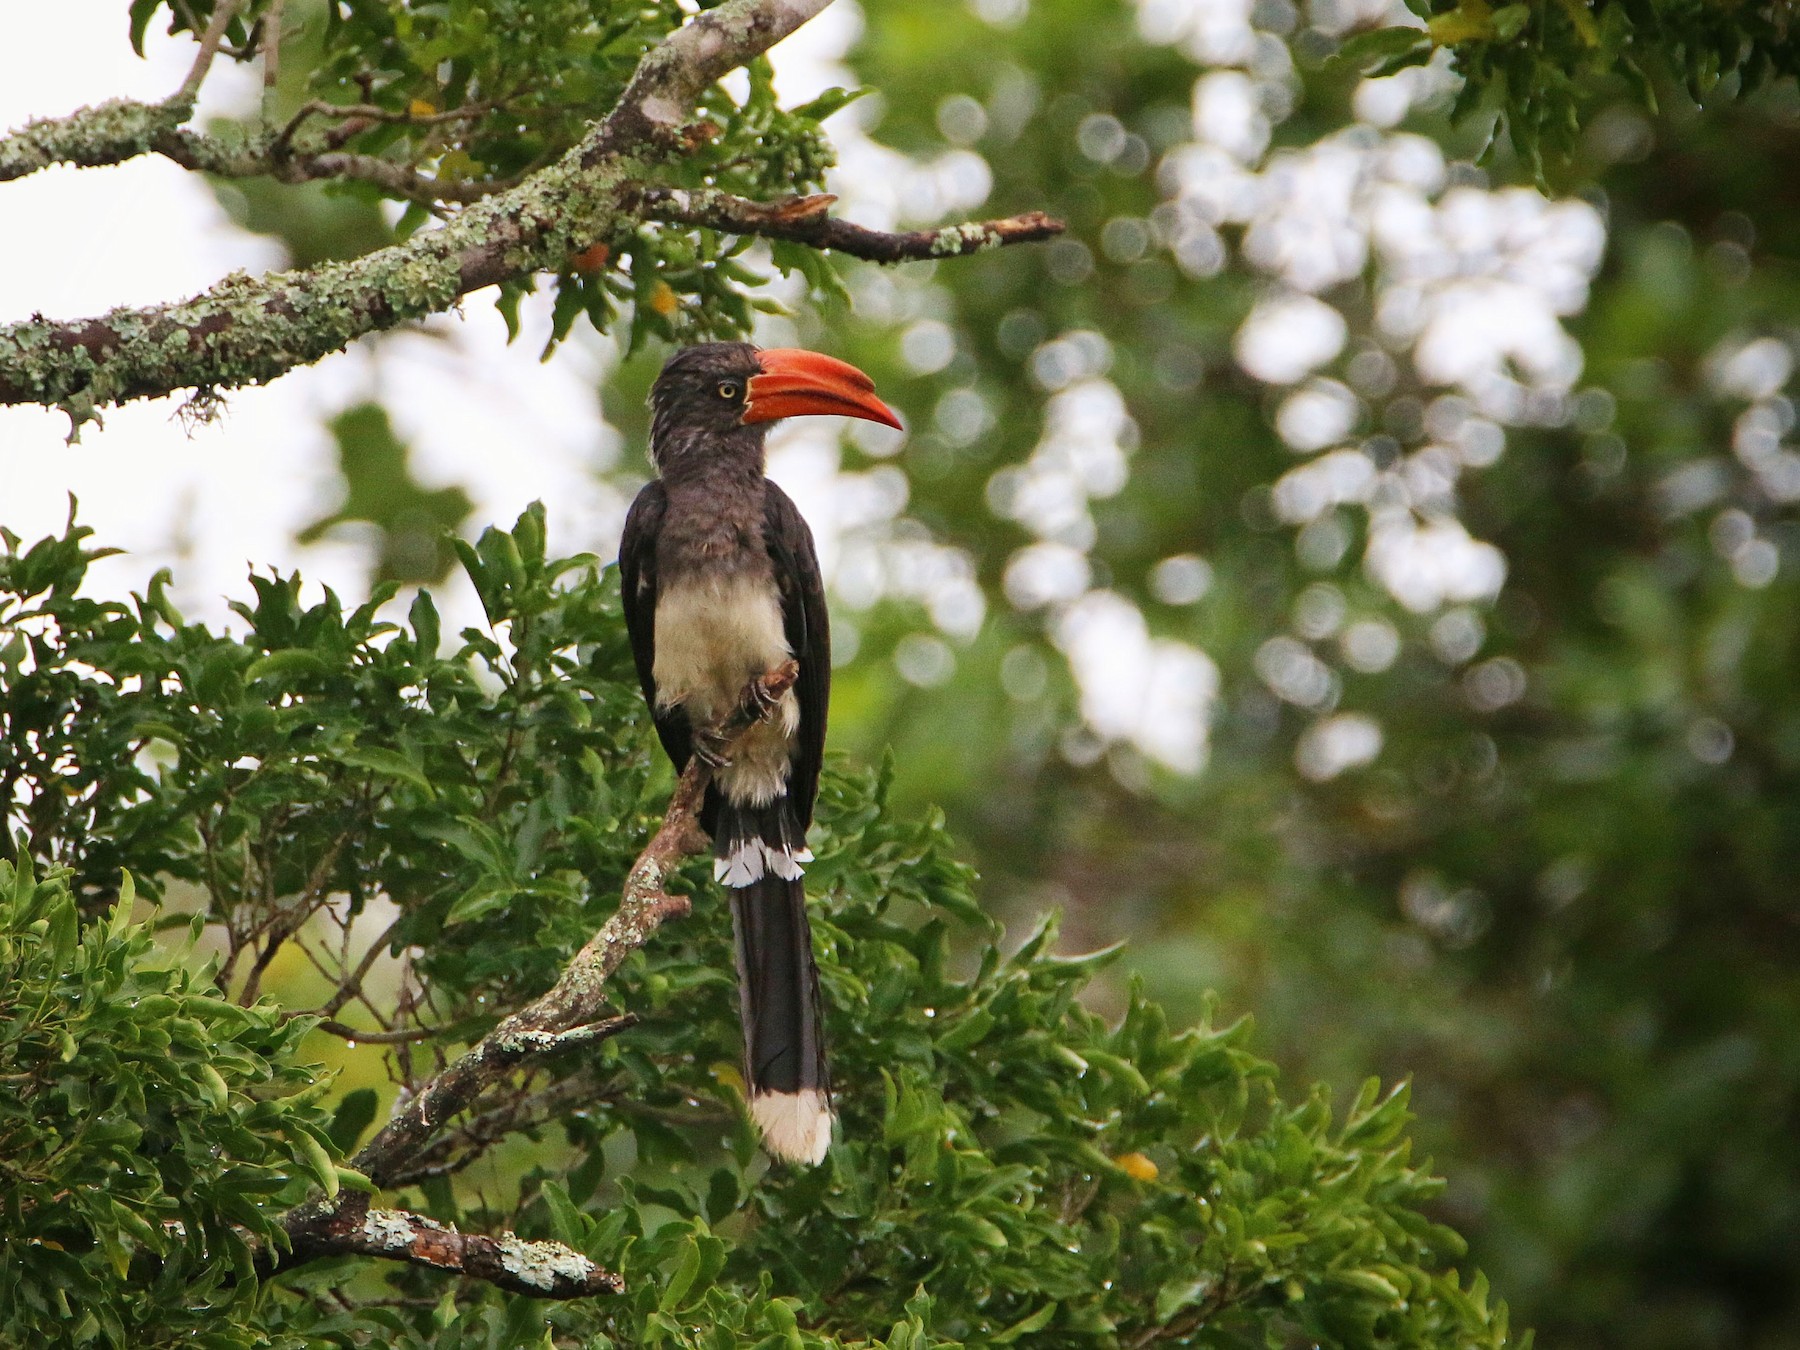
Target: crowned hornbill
[[721, 585]]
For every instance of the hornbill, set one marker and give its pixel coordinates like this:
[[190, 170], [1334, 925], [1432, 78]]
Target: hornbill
[[721, 585]]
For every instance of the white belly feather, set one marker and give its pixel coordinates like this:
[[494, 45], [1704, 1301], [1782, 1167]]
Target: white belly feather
[[713, 637]]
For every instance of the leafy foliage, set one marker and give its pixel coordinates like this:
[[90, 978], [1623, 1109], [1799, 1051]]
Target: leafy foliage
[[1013, 1167], [150, 1129], [1501, 881], [330, 754], [1545, 66], [1597, 991]]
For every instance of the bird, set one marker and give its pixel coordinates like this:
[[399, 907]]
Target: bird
[[721, 584]]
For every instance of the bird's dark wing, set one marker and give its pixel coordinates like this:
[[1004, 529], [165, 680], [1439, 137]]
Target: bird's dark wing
[[638, 589], [808, 631]]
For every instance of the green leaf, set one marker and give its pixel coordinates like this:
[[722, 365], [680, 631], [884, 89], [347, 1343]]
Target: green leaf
[[479, 901], [1181, 1293], [287, 663], [1381, 43], [387, 763], [567, 1222], [142, 11], [423, 617], [676, 1290], [354, 1180], [1036, 1321], [317, 1161], [1510, 20], [354, 1114]]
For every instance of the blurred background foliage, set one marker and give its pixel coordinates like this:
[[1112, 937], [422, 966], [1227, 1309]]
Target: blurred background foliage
[[1363, 582]]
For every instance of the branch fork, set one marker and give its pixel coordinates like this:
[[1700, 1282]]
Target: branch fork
[[565, 1018]]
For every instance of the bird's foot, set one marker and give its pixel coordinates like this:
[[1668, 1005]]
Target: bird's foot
[[709, 749], [763, 696], [761, 700]]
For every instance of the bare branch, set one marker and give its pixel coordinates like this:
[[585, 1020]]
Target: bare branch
[[271, 46], [344, 1031], [806, 220], [351, 985], [535, 1269], [394, 178], [374, 112], [283, 924], [512, 1114]]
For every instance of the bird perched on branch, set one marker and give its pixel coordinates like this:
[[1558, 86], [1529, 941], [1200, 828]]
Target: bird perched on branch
[[721, 585]]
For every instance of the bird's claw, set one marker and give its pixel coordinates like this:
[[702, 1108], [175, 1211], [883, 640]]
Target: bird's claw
[[763, 696], [762, 700], [709, 749]]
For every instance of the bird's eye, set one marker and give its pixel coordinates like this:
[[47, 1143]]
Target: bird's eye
[[729, 389]]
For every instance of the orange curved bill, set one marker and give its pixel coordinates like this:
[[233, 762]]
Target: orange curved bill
[[796, 383]]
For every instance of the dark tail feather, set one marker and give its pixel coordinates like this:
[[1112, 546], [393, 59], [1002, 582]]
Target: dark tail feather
[[749, 841], [785, 1072]]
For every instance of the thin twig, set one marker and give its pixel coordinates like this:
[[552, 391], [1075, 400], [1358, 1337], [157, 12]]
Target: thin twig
[[807, 220], [283, 924], [374, 112], [271, 46], [223, 13], [470, 1140], [404, 1034], [351, 984]]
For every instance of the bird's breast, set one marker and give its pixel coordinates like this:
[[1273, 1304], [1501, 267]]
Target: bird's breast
[[713, 636]]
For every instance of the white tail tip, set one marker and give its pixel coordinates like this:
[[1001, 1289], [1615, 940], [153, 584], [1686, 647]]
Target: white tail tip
[[746, 864], [795, 1125]]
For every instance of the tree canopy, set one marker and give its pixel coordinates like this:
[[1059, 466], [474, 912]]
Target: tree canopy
[[1011, 1164], [1352, 561]]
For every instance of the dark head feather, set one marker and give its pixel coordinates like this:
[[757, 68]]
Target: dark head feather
[[697, 404]]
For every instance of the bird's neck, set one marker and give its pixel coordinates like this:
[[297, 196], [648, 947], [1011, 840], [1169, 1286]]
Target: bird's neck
[[713, 523], [719, 462]]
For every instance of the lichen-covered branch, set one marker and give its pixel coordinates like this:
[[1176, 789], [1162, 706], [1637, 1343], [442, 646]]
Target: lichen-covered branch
[[123, 129], [807, 220], [107, 133], [668, 80], [535, 1269], [247, 331], [567, 1016]]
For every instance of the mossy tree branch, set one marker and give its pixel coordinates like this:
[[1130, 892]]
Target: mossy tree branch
[[107, 133], [534, 1269], [124, 129], [247, 331]]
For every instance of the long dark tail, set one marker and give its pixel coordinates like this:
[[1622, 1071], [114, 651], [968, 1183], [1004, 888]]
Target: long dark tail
[[759, 853]]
